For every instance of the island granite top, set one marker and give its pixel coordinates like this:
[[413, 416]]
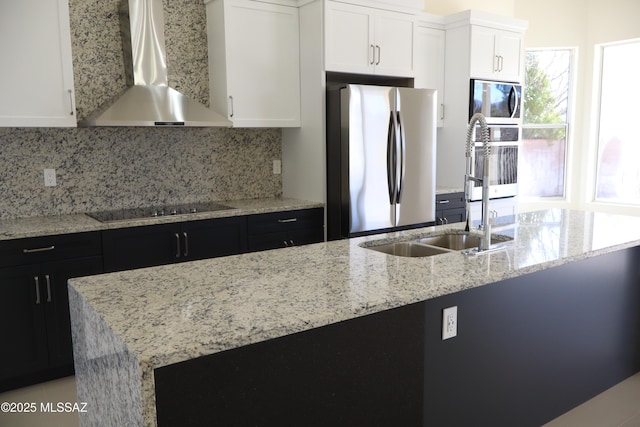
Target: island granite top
[[173, 313]]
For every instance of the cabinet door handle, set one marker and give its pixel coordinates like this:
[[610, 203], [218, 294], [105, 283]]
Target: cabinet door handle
[[496, 64], [177, 236], [442, 116], [291, 243], [378, 49], [186, 243], [286, 245], [46, 279], [37, 282], [70, 102], [373, 54], [287, 220], [230, 106], [31, 251]]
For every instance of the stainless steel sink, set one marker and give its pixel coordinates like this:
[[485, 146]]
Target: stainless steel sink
[[436, 244], [456, 242], [408, 249]]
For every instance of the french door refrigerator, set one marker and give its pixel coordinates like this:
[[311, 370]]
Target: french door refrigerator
[[381, 151]]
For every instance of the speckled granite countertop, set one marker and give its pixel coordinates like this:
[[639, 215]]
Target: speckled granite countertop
[[447, 190], [62, 224], [143, 319]]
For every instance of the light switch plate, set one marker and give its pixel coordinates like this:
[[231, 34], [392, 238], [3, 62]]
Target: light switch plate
[[277, 167]]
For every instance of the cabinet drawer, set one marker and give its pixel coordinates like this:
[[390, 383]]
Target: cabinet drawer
[[136, 247], [286, 221], [450, 201], [49, 248]]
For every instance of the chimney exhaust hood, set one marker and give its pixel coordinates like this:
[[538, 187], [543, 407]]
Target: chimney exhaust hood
[[148, 99]]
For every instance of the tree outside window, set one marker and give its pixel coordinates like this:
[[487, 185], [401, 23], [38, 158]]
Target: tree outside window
[[542, 168]]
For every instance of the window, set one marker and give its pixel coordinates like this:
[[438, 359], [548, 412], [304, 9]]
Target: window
[[618, 164], [545, 130]]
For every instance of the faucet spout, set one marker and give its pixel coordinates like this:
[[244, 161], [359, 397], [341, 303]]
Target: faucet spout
[[485, 225]]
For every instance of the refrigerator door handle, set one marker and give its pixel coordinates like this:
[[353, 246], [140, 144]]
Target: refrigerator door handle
[[391, 159], [402, 158]]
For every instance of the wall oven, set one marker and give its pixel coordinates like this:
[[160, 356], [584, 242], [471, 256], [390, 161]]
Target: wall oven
[[499, 102], [503, 167]]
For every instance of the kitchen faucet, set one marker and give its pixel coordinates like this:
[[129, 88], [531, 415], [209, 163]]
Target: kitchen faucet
[[485, 226]]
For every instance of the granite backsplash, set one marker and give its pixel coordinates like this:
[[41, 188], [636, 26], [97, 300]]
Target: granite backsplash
[[107, 168]]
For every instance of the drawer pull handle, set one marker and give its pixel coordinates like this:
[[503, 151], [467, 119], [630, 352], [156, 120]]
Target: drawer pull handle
[[31, 251], [444, 202], [186, 244], [46, 278], [287, 220], [37, 281], [70, 102]]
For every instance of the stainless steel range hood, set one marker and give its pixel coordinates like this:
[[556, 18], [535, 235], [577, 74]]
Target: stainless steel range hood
[[149, 101]]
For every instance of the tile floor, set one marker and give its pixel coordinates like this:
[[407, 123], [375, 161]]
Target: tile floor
[[617, 407], [62, 390]]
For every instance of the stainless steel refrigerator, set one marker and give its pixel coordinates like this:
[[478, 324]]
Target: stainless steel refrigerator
[[381, 154]]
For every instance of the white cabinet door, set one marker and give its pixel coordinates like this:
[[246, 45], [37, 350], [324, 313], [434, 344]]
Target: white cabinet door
[[511, 49], [254, 66], [395, 38], [349, 39], [37, 73], [363, 40], [429, 64], [496, 54], [484, 59]]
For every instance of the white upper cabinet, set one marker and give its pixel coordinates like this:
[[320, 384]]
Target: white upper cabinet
[[254, 68], [37, 73], [429, 62], [496, 54], [365, 40]]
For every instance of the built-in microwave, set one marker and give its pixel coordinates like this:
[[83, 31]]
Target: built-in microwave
[[503, 161], [499, 102]]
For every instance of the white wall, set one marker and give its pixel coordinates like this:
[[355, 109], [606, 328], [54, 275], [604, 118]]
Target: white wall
[[446, 7]]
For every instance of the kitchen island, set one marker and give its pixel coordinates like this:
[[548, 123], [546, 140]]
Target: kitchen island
[[138, 333]]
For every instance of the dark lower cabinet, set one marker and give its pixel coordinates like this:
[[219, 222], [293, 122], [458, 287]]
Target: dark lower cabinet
[[450, 208], [284, 229], [34, 304], [136, 247], [363, 372]]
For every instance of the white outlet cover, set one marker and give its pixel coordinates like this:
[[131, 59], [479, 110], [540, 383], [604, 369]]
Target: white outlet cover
[[277, 167], [50, 178], [449, 322]]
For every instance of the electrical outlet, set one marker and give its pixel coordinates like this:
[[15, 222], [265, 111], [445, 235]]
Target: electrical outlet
[[449, 322], [277, 167], [50, 178]]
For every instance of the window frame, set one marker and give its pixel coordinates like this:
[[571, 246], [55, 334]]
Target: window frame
[[592, 202], [567, 125]]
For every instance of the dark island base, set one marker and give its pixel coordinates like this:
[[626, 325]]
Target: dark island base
[[528, 349]]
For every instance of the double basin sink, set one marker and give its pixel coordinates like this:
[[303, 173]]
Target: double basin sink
[[436, 244]]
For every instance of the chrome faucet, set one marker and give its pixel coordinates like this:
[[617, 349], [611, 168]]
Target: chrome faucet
[[485, 225]]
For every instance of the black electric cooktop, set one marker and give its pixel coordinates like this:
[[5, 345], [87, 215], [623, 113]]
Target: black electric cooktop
[[152, 212]]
